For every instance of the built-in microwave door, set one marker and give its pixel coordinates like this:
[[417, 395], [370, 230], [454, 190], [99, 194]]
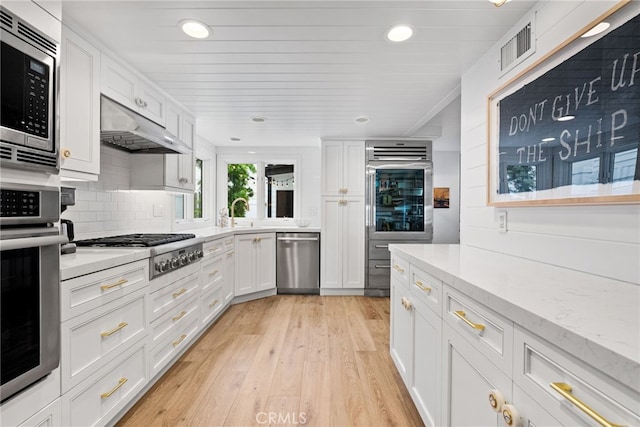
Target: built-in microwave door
[[399, 201]]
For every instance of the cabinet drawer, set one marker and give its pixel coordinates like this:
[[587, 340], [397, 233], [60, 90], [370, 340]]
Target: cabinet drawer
[[212, 272], [214, 247], [559, 382], [86, 293], [164, 352], [167, 324], [488, 332], [168, 298], [92, 339], [97, 400], [399, 270], [210, 304], [426, 288]]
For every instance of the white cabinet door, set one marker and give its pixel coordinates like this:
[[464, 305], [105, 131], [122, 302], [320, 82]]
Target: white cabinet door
[[342, 260], [331, 260], [353, 233], [125, 87], [244, 272], [401, 339], [265, 261], [80, 108], [228, 284], [468, 378], [426, 383], [49, 416], [343, 168], [173, 121]]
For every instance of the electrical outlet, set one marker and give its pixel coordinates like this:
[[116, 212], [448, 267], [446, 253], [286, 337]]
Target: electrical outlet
[[502, 221]]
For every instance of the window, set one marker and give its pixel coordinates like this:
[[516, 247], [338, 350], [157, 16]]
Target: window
[[198, 192], [179, 206], [521, 178], [585, 171], [624, 165]]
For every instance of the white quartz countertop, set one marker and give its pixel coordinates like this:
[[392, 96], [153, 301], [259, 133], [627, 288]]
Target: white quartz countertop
[[593, 318], [88, 260]]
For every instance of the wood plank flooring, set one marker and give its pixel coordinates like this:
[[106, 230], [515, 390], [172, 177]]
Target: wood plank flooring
[[285, 360]]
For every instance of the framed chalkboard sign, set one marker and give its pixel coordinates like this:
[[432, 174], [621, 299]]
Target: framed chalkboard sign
[[567, 130]]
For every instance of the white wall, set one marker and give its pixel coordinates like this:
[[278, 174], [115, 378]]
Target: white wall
[[602, 240], [446, 170], [107, 207], [306, 171]]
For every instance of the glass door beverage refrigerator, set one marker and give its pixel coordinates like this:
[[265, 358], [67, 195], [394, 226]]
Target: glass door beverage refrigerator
[[399, 204]]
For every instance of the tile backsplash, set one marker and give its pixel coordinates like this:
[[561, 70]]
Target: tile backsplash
[[108, 207]]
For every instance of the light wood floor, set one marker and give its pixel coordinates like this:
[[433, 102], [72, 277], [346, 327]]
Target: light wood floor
[[292, 360]]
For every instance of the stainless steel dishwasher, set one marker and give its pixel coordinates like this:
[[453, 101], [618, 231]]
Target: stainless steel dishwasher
[[298, 263]]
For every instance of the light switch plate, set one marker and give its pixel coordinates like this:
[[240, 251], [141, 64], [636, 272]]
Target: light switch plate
[[502, 221]]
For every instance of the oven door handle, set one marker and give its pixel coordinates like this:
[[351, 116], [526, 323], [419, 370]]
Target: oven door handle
[[30, 242]]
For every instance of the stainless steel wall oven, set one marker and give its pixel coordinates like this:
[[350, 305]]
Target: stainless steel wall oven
[[28, 131], [30, 282]]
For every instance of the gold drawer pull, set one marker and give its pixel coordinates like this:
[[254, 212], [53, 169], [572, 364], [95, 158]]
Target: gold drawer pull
[[461, 315], [113, 390], [214, 249], [230, 253], [182, 337], [180, 292], [113, 285], [565, 391], [397, 268], [213, 273], [213, 304], [229, 243], [114, 330], [179, 316], [422, 286]]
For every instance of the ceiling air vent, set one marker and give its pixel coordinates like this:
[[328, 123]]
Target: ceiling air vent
[[519, 47]]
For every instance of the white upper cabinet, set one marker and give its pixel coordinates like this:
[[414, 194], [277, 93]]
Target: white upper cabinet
[[343, 168], [79, 108], [125, 87]]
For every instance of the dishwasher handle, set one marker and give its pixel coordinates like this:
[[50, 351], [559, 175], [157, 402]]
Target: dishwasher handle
[[298, 239]]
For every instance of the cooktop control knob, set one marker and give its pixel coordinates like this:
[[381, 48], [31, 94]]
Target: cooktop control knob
[[191, 256], [200, 253], [162, 266], [174, 262], [183, 259]]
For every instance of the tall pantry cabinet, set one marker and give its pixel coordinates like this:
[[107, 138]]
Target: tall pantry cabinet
[[343, 213]]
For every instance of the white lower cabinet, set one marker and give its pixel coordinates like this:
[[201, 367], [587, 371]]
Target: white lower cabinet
[[100, 397], [228, 284], [256, 271], [474, 367], [174, 343], [49, 416], [469, 377]]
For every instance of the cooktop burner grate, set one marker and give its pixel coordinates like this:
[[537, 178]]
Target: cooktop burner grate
[[135, 240]]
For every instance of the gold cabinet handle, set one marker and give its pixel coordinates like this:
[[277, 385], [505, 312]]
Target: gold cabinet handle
[[66, 153], [179, 340], [179, 316], [214, 249], [422, 286], [180, 292], [113, 285], [397, 268], [213, 304], [565, 389], [406, 303], [114, 330], [230, 253], [213, 273], [113, 390], [461, 315]]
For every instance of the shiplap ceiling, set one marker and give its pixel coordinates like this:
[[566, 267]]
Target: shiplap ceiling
[[308, 67]]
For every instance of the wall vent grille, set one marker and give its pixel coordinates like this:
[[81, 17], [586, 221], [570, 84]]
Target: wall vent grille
[[37, 39], [517, 48], [6, 20]]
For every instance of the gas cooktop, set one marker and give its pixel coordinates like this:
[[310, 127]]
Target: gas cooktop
[[135, 240]]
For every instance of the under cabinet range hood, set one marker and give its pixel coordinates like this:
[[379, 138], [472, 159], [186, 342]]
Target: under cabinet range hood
[[129, 131]]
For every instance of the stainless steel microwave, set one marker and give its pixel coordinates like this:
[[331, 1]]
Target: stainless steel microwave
[[28, 126]]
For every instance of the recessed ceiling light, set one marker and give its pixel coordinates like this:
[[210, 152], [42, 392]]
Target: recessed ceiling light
[[251, 152], [258, 119], [234, 139], [565, 118], [548, 139], [361, 119], [195, 29], [498, 3], [602, 26], [399, 33]]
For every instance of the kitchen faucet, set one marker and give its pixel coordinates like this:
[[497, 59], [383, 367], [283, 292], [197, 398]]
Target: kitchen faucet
[[233, 213]]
